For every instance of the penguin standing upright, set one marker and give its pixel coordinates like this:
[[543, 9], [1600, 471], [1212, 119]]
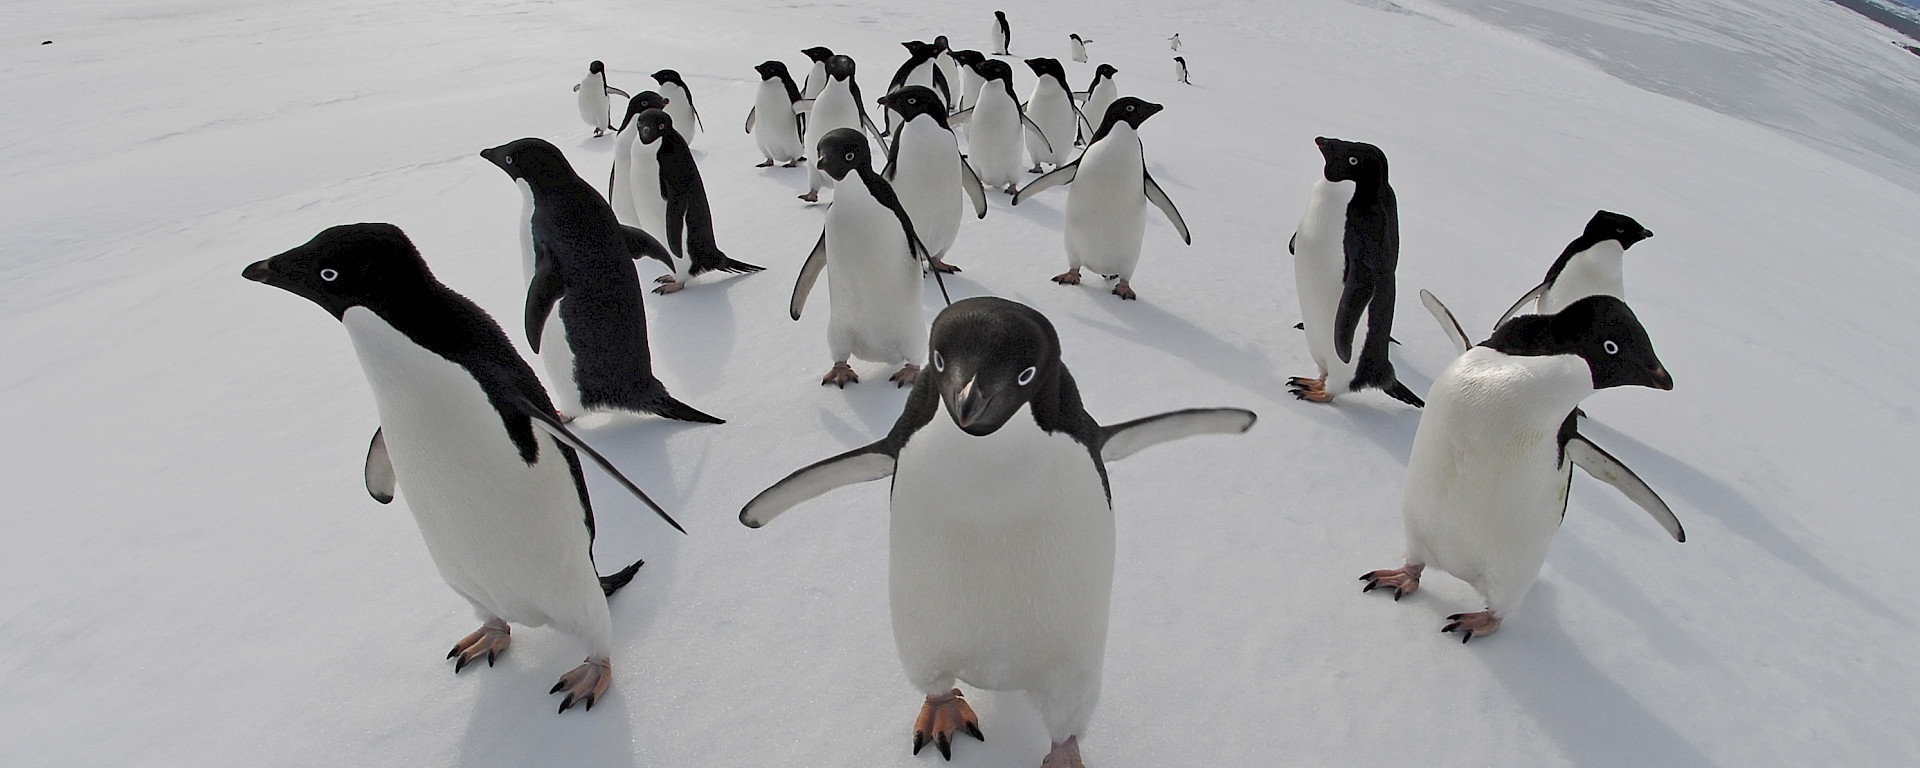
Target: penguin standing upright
[[1488, 476], [581, 273], [872, 258], [1001, 34], [922, 67], [1055, 121], [817, 74], [1344, 256], [995, 127], [593, 91], [1106, 206], [468, 436], [1099, 95], [775, 122], [1001, 541], [1077, 46], [839, 106], [679, 104], [687, 227], [1180, 69], [970, 79], [928, 174], [1588, 266], [949, 71], [619, 185], [1175, 40]]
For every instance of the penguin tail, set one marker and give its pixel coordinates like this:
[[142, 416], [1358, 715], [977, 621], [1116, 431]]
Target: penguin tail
[[670, 408], [738, 267], [1399, 391], [613, 583]]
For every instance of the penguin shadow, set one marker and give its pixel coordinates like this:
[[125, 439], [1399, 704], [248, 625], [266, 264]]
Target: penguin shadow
[[1387, 423], [1049, 216], [1698, 491], [694, 332], [1577, 563], [1143, 323], [512, 724], [873, 415], [1596, 721]]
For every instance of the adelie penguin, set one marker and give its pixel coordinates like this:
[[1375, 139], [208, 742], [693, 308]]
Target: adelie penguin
[[1099, 95], [1054, 120], [663, 167], [679, 103], [1492, 460], [619, 180], [949, 71], [1344, 256], [968, 63], [817, 74], [1001, 543], [839, 106], [776, 122], [579, 252], [922, 68], [995, 126], [1180, 70], [593, 91], [1588, 266], [1001, 34], [1106, 206], [927, 172], [1077, 47], [469, 437], [872, 258]]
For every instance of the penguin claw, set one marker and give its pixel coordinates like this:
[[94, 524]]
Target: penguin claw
[[906, 375], [490, 640], [940, 266], [1069, 277], [841, 375], [664, 279], [669, 286], [1404, 581], [1472, 625], [1313, 390], [811, 197], [769, 164], [584, 684], [1124, 292], [939, 718]]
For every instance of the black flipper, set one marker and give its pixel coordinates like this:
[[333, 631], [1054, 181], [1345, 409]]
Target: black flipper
[[1056, 177], [1399, 391], [1165, 204], [543, 291], [1127, 438], [640, 244], [868, 462], [664, 405], [809, 274], [546, 420], [613, 583], [1611, 471]]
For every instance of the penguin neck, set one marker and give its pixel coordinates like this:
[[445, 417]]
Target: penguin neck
[[1533, 391]]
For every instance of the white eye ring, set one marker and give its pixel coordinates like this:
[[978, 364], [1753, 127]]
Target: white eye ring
[[331, 275], [509, 159], [1353, 161], [939, 363], [1026, 376], [850, 157], [1610, 347]]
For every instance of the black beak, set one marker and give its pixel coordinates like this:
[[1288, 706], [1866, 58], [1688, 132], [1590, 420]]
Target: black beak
[[1661, 379], [258, 271], [968, 404]]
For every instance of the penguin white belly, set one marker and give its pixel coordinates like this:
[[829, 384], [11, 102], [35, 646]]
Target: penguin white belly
[[970, 88], [773, 123], [1079, 50], [950, 71], [1319, 269], [649, 206], [555, 355], [834, 109], [509, 537], [593, 101], [1103, 96], [816, 81], [620, 192], [1107, 205], [1486, 486], [680, 108], [1596, 271], [927, 180], [1001, 564], [1052, 110], [873, 284], [995, 138]]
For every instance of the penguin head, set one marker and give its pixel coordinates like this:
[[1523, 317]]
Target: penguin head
[[669, 76], [818, 53], [988, 357], [969, 58], [1601, 330], [652, 124], [642, 102], [538, 162], [840, 67], [1351, 160], [995, 69], [346, 266], [1076, 38], [1607, 225], [1131, 110], [1001, 15], [771, 70], [920, 50], [1104, 71], [841, 151], [596, 68], [1045, 67], [914, 101], [940, 44]]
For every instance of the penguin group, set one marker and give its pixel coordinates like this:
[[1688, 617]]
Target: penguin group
[[1002, 532]]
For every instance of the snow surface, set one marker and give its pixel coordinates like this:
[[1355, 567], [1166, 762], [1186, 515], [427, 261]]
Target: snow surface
[[192, 574]]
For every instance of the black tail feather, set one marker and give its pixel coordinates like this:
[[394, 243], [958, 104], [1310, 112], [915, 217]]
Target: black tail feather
[[1399, 391], [670, 408], [732, 265], [613, 583]]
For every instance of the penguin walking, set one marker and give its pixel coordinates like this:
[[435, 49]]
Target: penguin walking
[[1077, 46], [1106, 206], [579, 253], [1175, 41], [1055, 119], [970, 80], [995, 127], [1492, 460], [922, 67], [1345, 253], [1588, 266], [593, 91], [619, 180], [1001, 34], [817, 74], [679, 103], [776, 115], [468, 436], [1180, 69], [663, 165], [1001, 543], [928, 174], [1099, 95], [839, 106], [872, 257]]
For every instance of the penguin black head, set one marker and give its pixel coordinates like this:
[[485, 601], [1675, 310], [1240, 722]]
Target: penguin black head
[[940, 44], [818, 53], [1607, 225], [969, 58], [988, 357], [841, 151], [995, 69], [1001, 15], [596, 68], [537, 161], [669, 76], [1352, 160], [913, 101], [642, 102], [1602, 330], [840, 67], [771, 69], [346, 266], [1104, 70], [1076, 37], [1131, 110], [921, 50], [1045, 67], [650, 125]]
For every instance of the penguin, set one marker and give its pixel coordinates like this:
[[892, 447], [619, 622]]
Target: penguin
[[1001, 542], [1051, 111], [1175, 40], [1001, 34], [1492, 460], [994, 128], [593, 91], [579, 253], [619, 189], [776, 112], [1345, 252], [817, 75], [1106, 206], [662, 160], [1098, 96], [679, 103], [1078, 47], [839, 106], [1590, 265], [872, 258], [950, 70], [921, 68], [468, 436], [1180, 69], [928, 174], [970, 79]]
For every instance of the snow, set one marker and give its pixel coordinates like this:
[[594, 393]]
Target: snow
[[193, 574]]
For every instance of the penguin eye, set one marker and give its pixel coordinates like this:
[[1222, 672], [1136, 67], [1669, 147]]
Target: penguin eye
[[1353, 161], [331, 275], [1129, 107], [850, 157], [939, 363], [913, 101], [1026, 376], [1610, 347]]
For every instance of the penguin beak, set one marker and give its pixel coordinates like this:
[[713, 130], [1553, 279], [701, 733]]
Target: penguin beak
[[967, 405], [1661, 379], [258, 272], [1646, 233]]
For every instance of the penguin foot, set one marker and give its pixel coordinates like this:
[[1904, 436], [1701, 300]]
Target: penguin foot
[[1404, 580], [1472, 625], [1121, 290], [812, 196], [1035, 169], [790, 163], [599, 132], [1069, 277], [584, 684], [905, 376], [490, 640], [841, 375], [1012, 189], [669, 285], [769, 164], [943, 715], [1312, 390], [1065, 754], [664, 279], [941, 266]]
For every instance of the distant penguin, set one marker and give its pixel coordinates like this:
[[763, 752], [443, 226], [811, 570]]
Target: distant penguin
[[817, 75], [679, 104], [1106, 206], [872, 258], [1054, 118], [927, 172], [1589, 266], [619, 187], [469, 437], [1001, 34], [1488, 476], [593, 91], [1001, 546], [1175, 40], [581, 273], [949, 70], [661, 158], [995, 129], [839, 106], [970, 79], [776, 115], [922, 68], [1180, 69], [1345, 253], [1099, 95], [1077, 46]]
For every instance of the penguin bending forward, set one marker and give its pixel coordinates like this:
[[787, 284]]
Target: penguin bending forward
[[662, 159], [468, 435], [1588, 266], [1001, 545]]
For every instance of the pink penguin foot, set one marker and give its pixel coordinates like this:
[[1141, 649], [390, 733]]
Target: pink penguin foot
[[942, 716], [1403, 581], [584, 684], [1311, 390], [841, 375], [1122, 290], [669, 285], [1065, 754], [490, 640], [1069, 277], [1472, 625]]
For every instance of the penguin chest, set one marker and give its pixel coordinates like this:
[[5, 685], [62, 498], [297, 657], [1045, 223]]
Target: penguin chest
[[1319, 269], [1102, 97], [927, 181], [593, 101], [1002, 550], [680, 108], [1051, 109], [816, 80], [773, 122], [649, 205], [1106, 204], [620, 192], [1596, 271], [994, 138], [833, 110], [873, 281]]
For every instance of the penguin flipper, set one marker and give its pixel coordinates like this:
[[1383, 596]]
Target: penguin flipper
[[859, 465], [1058, 176], [665, 406], [1447, 323], [970, 182], [640, 244], [809, 274], [546, 420], [1533, 295], [1165, 204], [379, 469], [1033, 129], [1356, 293], [612, 583], [1128, 438], [960, 116], [621, 93], [1607, 469], [803, 106], [543, 291], [750, 118]]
